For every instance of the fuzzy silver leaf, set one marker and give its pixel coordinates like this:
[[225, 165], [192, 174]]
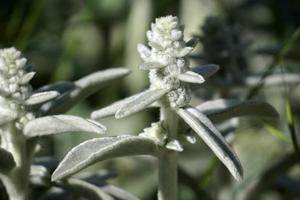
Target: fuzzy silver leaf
[[213, 138], [184, 52], [41, 97], [26, 78], [191, 77], [96, 150], [113, 108], [57, 124], [145, 99]]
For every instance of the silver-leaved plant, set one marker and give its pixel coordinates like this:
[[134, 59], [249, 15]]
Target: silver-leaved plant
[[170, 75], [27, 114]]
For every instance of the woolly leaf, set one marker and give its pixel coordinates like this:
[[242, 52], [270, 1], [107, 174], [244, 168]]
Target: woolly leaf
[[57, 124], [141, 102], [206, 70], [223, 109], [83, 88], [7, 161], [191, 77], [213, 138], [113, 108], [174, 145], [144, 51], [96, 150], [185, 51], [41, 97], [26, 78], [192, 42]]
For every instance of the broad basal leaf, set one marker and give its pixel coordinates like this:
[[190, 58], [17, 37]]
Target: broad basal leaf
[[213, 138], [96, 150], [222, 109], [141, 102], [61, 124]]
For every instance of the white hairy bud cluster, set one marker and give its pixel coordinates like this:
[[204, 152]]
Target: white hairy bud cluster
[[14, 84], [165, 57]]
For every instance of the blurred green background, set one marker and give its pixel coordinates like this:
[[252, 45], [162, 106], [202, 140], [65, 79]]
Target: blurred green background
[[65, 40]]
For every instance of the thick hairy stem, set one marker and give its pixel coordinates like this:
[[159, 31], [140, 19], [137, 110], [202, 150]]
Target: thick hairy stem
[[167, 171], [16, 181]]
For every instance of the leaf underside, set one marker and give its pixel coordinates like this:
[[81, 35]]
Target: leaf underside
[[96, 150]]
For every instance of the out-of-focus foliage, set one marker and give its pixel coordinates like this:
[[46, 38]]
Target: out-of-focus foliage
[[65, 40]]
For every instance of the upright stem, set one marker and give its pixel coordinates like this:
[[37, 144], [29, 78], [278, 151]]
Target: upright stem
[[167, 159], [16, 181]]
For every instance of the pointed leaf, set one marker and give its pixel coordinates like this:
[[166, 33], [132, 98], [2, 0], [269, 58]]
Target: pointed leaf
[[7, 161], [185, 51], [223, 109], [192, 42], [41, 97], [113, 108], [150, 65], [144, 51], [83, 88], [191, 77], [57, 124], [206, 70], [174, 145], [96, 150], [213, 138], [26, 78], [141, 102]]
